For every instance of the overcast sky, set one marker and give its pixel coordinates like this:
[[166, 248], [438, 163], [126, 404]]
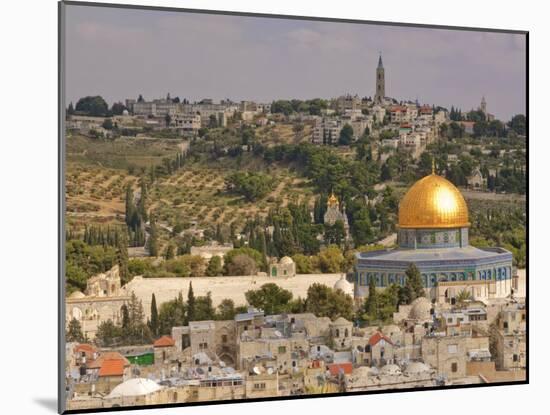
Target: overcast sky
[[120, 53]]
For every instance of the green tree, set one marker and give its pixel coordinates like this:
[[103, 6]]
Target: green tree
[[346, 135], [331, 259], [270, 298], [214, 266], [371, 303], [303, 264], [230, 256], [172, 314], [413, 284], [251, 185], [152, 242], [108, 124], [154, 322], [191, 303], [463, 297], [122, 256], [226, 310], [323, 301], [108, 334], [518, 124], [74, 332], [92, 105], [204, 309], [335, 234], [169, 253]]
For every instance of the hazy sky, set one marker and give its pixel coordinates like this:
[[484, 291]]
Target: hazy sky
[[120, 53]]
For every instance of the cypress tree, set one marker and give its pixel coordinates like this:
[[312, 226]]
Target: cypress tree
[[125, 317], [129, 206], [371, 304], [169, 254], [413, 284], [190, 303], [122, 257], [154, 323]]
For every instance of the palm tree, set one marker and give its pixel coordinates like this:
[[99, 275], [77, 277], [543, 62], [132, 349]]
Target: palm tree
[[463, 297]]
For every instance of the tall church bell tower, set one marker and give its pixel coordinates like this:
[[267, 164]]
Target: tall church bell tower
[[380, 82]]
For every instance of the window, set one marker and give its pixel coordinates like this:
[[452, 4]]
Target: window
[[515, 358], [259, 386], [454, 367], [203, 346], [367, 348], [505, 325], [452, 348], [224, 338]]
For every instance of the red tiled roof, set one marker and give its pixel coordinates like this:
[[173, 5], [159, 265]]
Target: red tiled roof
[[426, 109], [112, 367], [376, 337], [164, 341], [398, 108], [335, 368], [108, 356], [88, 348]]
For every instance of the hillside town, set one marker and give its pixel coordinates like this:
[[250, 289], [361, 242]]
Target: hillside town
[[358, 288]]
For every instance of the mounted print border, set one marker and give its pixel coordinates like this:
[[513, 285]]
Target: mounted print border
[[259, 207]]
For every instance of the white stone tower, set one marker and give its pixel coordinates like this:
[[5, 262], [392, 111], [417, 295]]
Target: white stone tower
[[483, 106], [380, 82]]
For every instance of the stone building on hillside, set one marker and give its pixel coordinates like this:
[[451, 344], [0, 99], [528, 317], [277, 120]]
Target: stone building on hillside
[[284, 268], [102, 301]]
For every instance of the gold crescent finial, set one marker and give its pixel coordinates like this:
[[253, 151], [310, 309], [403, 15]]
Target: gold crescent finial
[[433, 165]]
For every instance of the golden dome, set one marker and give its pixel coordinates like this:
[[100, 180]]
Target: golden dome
[[433, 202], [332, 200]]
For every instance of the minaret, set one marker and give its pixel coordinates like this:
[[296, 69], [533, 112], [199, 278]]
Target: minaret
[[483, 106], [380, 82]]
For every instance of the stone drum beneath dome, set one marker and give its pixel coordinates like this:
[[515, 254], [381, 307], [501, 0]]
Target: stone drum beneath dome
[[433, 235]]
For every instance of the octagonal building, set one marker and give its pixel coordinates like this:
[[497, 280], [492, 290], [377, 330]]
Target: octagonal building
[[433, 234]]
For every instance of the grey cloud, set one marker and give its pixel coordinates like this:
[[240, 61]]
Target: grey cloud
[[120, 53]]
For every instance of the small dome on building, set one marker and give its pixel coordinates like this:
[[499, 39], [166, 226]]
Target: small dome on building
[[344, 285], [77, 294], [134, 387], [390, 370], [420, 309], [286, 260]]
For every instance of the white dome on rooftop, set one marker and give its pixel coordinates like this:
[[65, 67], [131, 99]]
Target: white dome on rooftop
[[134, 387], [286, 260], [344, 285], [420, 309]]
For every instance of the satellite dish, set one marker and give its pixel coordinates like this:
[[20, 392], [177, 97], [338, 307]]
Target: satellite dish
[[256, 370], [270, 371]]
